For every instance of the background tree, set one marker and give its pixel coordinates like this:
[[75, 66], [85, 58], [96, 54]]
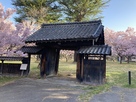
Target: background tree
[[42, 11], [11, 36], [46, 11], [123, 42], [81, 10], [67, 54]]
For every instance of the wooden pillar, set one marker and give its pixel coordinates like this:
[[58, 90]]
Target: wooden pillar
[[57, 60], [82, 67], [79, 70], [29, 61], [101, 68], [104, 59], [42, 66], [49, 62], [2, 65]]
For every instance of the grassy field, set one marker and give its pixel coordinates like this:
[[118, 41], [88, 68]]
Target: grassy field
[[65, 69], [117, 74]]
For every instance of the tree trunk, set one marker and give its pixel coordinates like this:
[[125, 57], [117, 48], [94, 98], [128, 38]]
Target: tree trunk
[[128, 59], [120, 59], [66, 59]]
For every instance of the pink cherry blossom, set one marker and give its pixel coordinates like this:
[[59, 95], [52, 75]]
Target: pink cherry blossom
[[123, 42], [11, 36]]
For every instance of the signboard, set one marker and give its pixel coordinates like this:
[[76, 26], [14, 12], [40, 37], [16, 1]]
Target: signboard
[[23, 67]]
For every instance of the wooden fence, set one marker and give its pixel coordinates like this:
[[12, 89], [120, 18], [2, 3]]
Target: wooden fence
[[10, 68]]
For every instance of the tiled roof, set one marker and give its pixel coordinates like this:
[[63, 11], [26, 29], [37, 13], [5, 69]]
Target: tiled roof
[[31, 49], [67, 31], [6, 58], [96, 50]]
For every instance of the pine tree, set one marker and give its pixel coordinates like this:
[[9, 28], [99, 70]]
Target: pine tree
[[81, 10], [42, 11]]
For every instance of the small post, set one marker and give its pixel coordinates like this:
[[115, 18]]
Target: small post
[[22, 73], [129, 77]]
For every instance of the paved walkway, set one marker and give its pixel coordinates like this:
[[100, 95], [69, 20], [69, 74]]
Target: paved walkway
[[40, 90], [54, 90], [116, 94]]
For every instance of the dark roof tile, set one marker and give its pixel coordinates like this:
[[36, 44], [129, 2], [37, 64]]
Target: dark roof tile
[[96, 50], [11, 58], [31, 49], [67, 31]]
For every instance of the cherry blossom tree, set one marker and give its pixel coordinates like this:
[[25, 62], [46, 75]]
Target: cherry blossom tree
[[67, 54], [11, 36], [123, 42], [130, 43]]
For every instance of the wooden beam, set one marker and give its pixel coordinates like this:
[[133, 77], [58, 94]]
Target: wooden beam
[[72, 45]]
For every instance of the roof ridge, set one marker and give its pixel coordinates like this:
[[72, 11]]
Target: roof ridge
[[67, 31], [69, 23]]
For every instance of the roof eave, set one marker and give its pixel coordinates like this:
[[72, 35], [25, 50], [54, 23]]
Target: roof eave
[[61, 40]]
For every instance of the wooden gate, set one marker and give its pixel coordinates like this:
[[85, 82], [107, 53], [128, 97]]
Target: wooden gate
[[94, 71]]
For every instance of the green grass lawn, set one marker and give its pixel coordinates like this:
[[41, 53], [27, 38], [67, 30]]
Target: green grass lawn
[[117, 74], [67, 69]]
